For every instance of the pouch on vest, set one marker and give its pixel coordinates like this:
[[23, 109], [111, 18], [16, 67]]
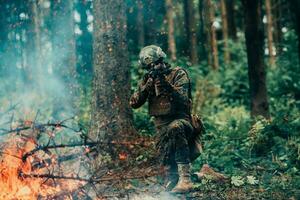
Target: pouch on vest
[[195, 142]]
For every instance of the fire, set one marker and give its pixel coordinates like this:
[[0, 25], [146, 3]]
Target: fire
[[14, 186]]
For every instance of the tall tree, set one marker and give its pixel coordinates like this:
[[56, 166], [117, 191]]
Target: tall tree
[[140, 24], [171, 36], [270, 32], [84, 41], [231, 18], [202, 35], [151, 20], [211, 35], [190, 28], [254, 34], [277, 24], [111, 115], [225, 31], [63, 39], [295, 6]]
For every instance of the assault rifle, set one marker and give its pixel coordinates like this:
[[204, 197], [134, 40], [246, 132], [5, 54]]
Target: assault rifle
[[158, 72]]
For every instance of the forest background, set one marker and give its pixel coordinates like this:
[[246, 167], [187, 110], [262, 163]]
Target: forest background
[[242, 57]]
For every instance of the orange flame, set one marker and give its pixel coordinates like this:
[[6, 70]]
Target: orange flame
[[12, 186]]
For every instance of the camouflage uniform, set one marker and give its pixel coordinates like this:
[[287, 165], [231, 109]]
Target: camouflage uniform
[[168, 93], [171, 112]]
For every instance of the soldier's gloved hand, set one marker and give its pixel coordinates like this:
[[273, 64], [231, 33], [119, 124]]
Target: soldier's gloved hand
[[148, 85]]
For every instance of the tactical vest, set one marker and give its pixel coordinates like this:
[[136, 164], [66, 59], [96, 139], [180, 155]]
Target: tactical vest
[[164, 104]]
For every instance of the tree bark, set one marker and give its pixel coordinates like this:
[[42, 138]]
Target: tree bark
[[140, 24], [211, 35], [254, 34], [270, 32], [111, 114], [277, 24], [203, 43], [171, 36], [231, 19], [190, 28], [225, 31]]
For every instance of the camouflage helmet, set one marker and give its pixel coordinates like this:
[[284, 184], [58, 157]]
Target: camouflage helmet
[[150, 54]]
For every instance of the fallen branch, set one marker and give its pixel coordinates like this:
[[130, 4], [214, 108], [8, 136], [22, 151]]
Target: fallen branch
[[90, 180], [49, 161], [88, 144]]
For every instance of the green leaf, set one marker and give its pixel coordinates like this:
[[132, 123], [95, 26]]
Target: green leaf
[[252, 180], [237, 181]]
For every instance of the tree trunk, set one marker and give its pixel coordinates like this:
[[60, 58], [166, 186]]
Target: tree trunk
[[140, 24], [190, 28], [151, 21], [63, 38], [211, 35], [203, 43], [225, 31], [254, 34], [111, 115], [84, 43], [270, 32], [231, 18], [295, 6], [277, 13], [171, 36]]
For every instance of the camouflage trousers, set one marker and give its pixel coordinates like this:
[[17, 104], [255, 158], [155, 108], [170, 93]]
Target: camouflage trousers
[[173, 137]]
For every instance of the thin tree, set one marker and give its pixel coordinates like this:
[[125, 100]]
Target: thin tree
[[171, 36], [254, 34], [202, 35], [111, 115], [63, 38], [270, 32], [294, 7], [211, 35], [225, 31], [84, 42], [277, 25], [190, 28]]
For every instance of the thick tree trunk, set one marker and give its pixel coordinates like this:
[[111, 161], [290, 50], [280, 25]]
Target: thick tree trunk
[[111, 115], [211, 35], [190, 28], [270, 32], [254, 34], [225, 31], [171, 36], [295, 7], [140, 24], [231, 18]]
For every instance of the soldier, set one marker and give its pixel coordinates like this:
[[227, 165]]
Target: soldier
[[168, 93]]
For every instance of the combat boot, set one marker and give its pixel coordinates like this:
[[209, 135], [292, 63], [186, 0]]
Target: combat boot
[[170, 178], [184, 184]]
